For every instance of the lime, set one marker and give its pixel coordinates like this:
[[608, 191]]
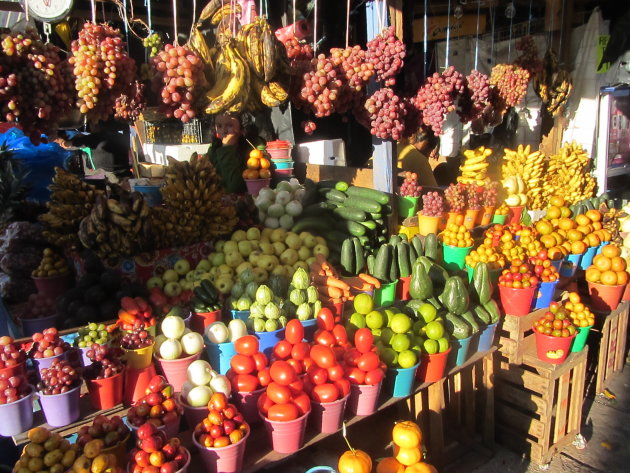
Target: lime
[[386, 334], [427, 312], [418, 326], [434, 330], [418, 340], [431, 346], [443, 344], [363, 303], [388, 356], [400, 342], [407, 358], [401, 323], [374, 319], [376, 332], [357, 320], [388, 317]]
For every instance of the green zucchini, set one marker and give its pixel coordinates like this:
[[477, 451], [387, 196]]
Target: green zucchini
[[354, 228], [333, 195], [347, 256], [315, 224], [412, 256], [481, 314], [327, 184], [403, 237], [431, 248], [371, 260], [394, 270], [470, 319], [350, 213], [367, 205], [416, 242], [370, 224], [359, 257], [366, 193], [376, 216], [394, 240]]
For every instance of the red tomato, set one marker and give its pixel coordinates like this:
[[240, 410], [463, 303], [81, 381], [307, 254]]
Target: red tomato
[[324, 337], [341, 336], [260, 359], [339, 352], [323, 356], [308, 384], [294, 332], [264, 403], [247, 345], [351, 356], [282, 373], [264, 377], [363, 340], [297, 365], [325, 319], [278, 393], [368, 361], [303, 403], [242, 364], [335, 372], [308, 362], [282, 350], [343, 385], [326, 392], [374, 377], [283, 412], [317, 375], [356, 376], [245, 383], [296, 387], [230, 375], [300, 351]]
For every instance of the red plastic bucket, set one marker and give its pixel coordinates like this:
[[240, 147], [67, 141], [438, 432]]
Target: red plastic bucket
[[53, 286], [175, 370], [107, 392], [286, 437], [605, 298], [255, 185], [225, 459], [193, 415], [247, 404], [515, 214], [199, 321], [432, 367], [626, 293], [363, 398], [553, 350], [136, 382], [326, 417], [517, 301], [402, 289]]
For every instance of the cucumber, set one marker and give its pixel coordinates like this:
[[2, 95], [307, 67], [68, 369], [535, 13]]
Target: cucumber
[[348, 257], [413, 256], [370, 224], [394, 240], [386, 209], [364, 204], [416, 242], [403, 259], [371, 259], [342, 186], [316, 224], [354, 228], [359, 257], [376, 216], [403, 237], [350, 213], [366, 193], [383, 260], [364, 240], [431, 247], [394, 270], [379, 221], [314, 210], [334, 195]]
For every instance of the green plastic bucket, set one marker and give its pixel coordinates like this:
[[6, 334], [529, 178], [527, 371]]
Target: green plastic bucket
[[580, 338], [455, 257]]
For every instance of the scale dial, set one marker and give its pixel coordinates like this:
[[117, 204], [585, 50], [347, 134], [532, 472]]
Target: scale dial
[[49, 11]]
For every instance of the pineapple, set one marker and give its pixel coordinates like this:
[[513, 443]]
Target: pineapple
[[12, 187]]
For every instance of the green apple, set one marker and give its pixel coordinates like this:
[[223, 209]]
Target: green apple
[[217, 259], [230, 247], [266, 248], [357, 320], [172, 289], [400, 342], [233, 258], [204, 265], [278, 247], [219, 246], [293, 241], [407, 358], [253, 233], [434, 330], [304, 253], [374, 319], [245, 248], [401, 323], [308, 240], [321, 249], [170, 275], [155, 281], [289, 256]]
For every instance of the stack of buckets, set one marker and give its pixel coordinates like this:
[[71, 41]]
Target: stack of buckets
[[280, 153]]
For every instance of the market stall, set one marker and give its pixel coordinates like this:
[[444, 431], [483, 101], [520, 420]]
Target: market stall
[[257, 283]]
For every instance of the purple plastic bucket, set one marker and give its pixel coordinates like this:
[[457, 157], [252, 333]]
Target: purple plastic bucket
[[61, 409], [225, 459], [326, 417], [286, 437], [42, 363], [38, 325], [247, 404], [17, 417], [363, 398]]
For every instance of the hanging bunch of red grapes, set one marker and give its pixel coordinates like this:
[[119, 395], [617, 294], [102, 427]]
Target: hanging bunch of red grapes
[[510, 82]]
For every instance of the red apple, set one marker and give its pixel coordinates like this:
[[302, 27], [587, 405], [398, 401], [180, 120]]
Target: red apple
[[230, 411], [156, 411], [141, 458], [229, 426], [156, 384], [154, 399], [146, 430], [216, 431]]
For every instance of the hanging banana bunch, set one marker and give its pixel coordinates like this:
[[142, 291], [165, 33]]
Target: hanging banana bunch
[[553, 83]]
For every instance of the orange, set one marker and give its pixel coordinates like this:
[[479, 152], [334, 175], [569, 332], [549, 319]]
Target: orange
[[609, 278], [390, 465], [574, 297], [253, 162], [592, 274], [622, 277], [575, 235], [607, 236], [264, 173], [578, 247], [548, 241], [610, 251], [555, 253], [594, 215], [408, 456], [602, 262], [565, 211], [554, 212], [566, 223], [617, 263], [556, 200], [543, 227], [592, 239], [256, 153], [264, 163], [421, 467], [597, 225], [406, 434]]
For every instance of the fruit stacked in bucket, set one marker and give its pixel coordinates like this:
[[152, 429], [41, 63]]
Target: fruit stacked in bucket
[[106, 362], [155, 452], [157, 407], [362, 363], [407, 438], [59, 378], [248, 368], [224, 425], [519, 275], [257, 165], [554, 335], [485, 253], [47, 344], [175, 341], [456, 235], [134, 314], [45, 445], [580, 314], [543, 268], [51, 264], [284, 398], [410, 186], [13, 388], [12, 357], [94, 458], [111, 430]]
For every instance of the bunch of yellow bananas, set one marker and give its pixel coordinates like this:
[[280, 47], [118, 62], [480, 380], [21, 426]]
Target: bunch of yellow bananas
[[474, 169], [530, 166], [569, 174], [553, 84]]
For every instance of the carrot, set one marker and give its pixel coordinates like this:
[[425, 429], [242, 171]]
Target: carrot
[[331, 282], [370, 280], [332, 292]]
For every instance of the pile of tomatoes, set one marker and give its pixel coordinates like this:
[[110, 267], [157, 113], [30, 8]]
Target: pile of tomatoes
[[249, 370], [284, 399]]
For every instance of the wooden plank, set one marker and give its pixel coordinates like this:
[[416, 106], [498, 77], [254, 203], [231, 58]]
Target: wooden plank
[[454, 386], [519, 443], [469, 401], [520, 422], [623, 338], [577, 397], [526, 401], [562, 406], [523, 378], [436, 429], [601, 359], [489, 407]]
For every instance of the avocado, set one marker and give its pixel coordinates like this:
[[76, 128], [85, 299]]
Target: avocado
[[86, 314], [110, 280], [69, 322], [94, 295], [62, 303], [74, 294], [73, 308]]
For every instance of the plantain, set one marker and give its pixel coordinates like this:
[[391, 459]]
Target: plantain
[[225, 12], [238, 80], [210, 9], [269, 52]]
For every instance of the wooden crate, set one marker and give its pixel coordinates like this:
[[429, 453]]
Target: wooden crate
[[456, 415], [611, 356], [513, 331], [538, 406]]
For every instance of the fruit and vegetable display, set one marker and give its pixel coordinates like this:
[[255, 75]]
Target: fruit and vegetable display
[[529, 166], [224, 425], [202, 382], [46, 450], [555, 324], [456, 235], [59, 378], [432, 205], [510, 83], [158, 406], [608, 267], [266, 313], [410, 186], [249, 369], [257, 166], [155, 452], [10, 353], [579, 313], [334, 289], [568, 174], [218, 332], [175, 341]]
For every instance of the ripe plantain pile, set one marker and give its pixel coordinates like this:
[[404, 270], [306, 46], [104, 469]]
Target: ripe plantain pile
[[193, 209], [247, 67], [475, 166], [553, 83], [569, 174], [71, 201], [530, 166], [117, 227]]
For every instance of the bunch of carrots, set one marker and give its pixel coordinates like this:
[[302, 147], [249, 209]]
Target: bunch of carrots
[[331, 287]]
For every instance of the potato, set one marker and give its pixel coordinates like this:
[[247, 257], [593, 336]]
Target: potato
[[53, 442], [68, 458]]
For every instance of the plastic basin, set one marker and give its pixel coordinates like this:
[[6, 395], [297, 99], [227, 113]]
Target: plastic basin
[[407, 205], [570, 265], [38, 325], [459, 351], [107, 392], [587, 257], [286, 437], [605, 298], [455, 257], [17, 417], [61, 409], [433, 367], [254, 185], [517, 301]]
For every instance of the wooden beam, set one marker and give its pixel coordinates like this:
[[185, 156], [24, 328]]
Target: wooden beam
[[11, 6]]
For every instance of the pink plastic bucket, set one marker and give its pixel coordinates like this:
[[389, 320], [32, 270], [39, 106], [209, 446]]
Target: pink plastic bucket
[[286, 437], [175, 370], [53, 286], [223, 460], [193, 415], [363, 399], [326, 417], [255, 185], [247, 404], [171, 429]]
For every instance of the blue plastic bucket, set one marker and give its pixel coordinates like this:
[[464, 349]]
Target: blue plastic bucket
[[240, 315], [385, 295], [486, 337], [570, 265], [267, 340], [587, 257], [310, 326], [283, 164], [459, 352], [151, 194], [598, 249], [400, 380], [557, 263], [544, 294], [219, 355]]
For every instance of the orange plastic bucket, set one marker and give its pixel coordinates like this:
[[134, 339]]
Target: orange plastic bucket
[[605, 298]]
